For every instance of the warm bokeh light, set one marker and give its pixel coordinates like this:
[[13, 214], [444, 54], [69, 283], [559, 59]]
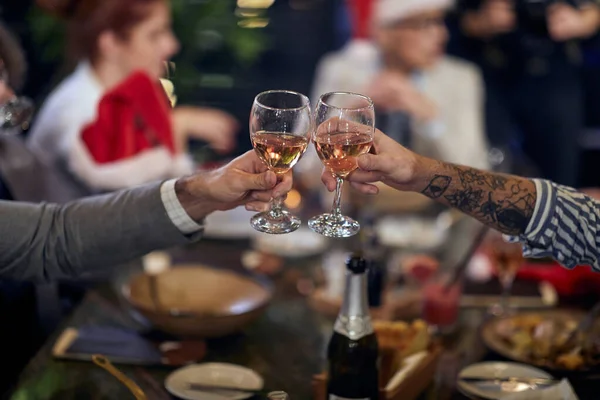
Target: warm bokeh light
[[255, 3], [294, 199], [254, 23], [247, 13]]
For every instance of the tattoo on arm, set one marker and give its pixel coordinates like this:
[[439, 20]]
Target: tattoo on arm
[[503, 202], [437, 186]]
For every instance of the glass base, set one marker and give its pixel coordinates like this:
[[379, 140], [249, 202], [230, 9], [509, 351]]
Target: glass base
[[266, 223], [330, 226]]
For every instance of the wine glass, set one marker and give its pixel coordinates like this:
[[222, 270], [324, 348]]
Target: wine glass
[[508, 258], [345, 129], [17, 111], [280, 129]]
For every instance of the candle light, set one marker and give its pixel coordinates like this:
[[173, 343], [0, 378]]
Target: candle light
[[293, 200]]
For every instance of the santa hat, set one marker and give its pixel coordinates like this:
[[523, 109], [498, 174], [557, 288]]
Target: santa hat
[[386, 12], [360, 13]]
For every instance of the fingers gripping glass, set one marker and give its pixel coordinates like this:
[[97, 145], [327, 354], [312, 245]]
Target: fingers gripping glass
[[280, 129], [345, 129], [17, 111]]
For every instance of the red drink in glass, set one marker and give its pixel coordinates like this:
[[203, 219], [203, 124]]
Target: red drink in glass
[[440, 304]]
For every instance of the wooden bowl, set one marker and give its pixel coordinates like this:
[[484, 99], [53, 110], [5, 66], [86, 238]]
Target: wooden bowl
[[198, 301]]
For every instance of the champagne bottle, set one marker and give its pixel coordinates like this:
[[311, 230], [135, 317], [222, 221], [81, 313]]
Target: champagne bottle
[[353, 350]]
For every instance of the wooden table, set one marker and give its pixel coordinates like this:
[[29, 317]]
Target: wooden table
[[286, 346]]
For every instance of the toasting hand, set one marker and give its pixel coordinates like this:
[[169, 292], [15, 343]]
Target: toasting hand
[[244, 181]]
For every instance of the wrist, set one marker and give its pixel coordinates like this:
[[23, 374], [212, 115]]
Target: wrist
[[417, 173], [194, 195], [424, 169]]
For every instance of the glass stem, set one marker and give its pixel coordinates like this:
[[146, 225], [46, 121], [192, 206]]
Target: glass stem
[[277, 204], [336, 211], [276, 207]]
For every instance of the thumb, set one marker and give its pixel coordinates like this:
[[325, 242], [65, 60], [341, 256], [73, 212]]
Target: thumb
[[373, 162], [265, 181]]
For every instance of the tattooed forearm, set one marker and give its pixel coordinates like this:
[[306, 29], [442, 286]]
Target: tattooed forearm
[[504, 202]]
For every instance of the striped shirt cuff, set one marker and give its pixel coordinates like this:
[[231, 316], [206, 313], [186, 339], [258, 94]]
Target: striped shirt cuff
[[541, 219], [175, 210], [544, 206]]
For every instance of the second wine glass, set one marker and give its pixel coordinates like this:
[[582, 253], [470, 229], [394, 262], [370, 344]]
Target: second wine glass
[[280, 129], [345, 129]]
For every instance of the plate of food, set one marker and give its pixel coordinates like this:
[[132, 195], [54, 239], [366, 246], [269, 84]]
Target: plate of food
[[544, 339]]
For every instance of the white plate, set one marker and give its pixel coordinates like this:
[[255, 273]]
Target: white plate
[[233, 224], [177, 382], [496, 370], [301, 243]]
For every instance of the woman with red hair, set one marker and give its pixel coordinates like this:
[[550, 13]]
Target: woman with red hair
[[109, 123]]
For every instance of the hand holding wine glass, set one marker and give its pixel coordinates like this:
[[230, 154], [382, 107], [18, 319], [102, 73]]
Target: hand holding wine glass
[[280, 129], [345, 130]]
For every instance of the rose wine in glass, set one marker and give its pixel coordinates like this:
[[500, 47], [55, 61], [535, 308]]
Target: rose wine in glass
[[281, 125], [345, 129], [338, 150], [279, 151]]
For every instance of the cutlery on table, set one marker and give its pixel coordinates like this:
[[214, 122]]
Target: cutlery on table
[[103, 362], [210, 388]]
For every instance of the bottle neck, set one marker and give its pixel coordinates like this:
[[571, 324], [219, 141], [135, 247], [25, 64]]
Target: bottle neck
[[354, 320]]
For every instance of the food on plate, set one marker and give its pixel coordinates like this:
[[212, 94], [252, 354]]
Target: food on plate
[[546, 340], [573, 360], [398, 340]]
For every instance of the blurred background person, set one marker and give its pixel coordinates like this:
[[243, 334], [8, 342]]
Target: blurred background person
[[122, 48], [530, 55], [424, 99]]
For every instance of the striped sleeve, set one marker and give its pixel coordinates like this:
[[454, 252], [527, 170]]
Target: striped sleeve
[[564, 226]]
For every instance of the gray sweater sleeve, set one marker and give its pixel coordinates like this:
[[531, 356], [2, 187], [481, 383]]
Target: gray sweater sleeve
[[51, 242]]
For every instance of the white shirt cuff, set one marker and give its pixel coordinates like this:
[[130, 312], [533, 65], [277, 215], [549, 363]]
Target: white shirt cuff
[[175, 210]]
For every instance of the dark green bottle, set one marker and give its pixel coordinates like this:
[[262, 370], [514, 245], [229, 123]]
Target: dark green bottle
[[353, 351]]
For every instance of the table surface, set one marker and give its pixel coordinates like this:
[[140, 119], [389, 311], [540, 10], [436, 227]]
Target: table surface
[[286, 345]]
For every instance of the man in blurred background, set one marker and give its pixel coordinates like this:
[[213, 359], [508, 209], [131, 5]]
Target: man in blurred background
[[529, 51], [424, 99]]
